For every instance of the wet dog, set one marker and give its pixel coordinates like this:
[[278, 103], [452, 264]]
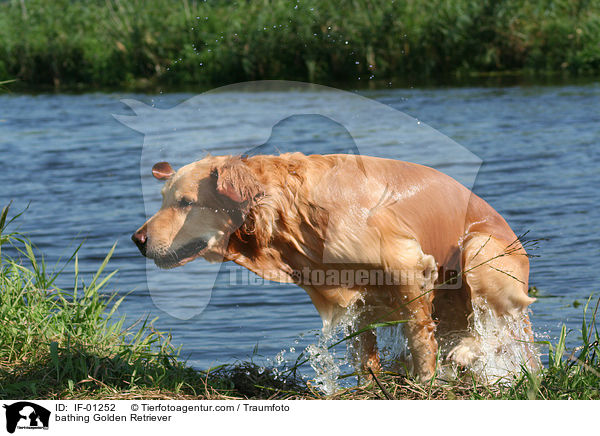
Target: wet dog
[[412, 245]]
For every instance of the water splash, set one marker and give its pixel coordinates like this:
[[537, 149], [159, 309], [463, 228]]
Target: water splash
[[327, 360], [501, 346], [505, 347], [394, 353]]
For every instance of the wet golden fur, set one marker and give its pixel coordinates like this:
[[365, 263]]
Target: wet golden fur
[[278, 215]]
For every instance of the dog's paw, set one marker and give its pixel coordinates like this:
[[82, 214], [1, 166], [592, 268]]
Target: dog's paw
[[466, 352]]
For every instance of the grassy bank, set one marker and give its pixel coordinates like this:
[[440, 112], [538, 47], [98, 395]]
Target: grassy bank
[[176, 42], [59, 343], [68, 344]]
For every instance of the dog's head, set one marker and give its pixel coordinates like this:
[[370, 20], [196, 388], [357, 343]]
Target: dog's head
[[203, 204]]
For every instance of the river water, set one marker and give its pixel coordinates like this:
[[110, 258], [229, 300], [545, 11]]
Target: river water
[[78, 169]]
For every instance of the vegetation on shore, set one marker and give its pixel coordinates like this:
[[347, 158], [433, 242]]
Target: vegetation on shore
[[69, 344], [181, 42]]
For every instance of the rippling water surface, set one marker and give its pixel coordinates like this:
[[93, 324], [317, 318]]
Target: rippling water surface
[[79, 171]]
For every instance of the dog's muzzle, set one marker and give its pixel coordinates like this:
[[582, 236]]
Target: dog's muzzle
[[168, 258], [182, 255]]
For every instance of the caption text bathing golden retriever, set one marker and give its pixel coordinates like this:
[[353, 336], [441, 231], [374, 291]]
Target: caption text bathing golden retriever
[[313, 219]]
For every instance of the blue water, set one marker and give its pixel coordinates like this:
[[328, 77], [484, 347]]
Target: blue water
[[78, 169]]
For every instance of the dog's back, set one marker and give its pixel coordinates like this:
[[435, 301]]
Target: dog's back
[[363, 192]]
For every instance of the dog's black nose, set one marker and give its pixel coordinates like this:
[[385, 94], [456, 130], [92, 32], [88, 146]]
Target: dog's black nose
[[140, 237]]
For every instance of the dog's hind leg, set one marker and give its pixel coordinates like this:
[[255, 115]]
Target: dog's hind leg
[[496, 276]]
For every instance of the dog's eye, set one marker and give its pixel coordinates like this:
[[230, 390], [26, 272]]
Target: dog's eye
[[185, 202]]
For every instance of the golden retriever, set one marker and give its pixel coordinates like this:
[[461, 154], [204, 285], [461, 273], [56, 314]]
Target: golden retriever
[[313, 220]]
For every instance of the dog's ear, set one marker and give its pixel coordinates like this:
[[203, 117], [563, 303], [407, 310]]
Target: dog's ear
[[162, 170], [235, 180]]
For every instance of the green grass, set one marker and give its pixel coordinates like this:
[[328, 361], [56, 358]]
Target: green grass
[[57, 343], [181, 42], [69, 344]]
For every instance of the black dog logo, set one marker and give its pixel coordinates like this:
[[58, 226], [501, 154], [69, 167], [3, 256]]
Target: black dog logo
[[30, 413]]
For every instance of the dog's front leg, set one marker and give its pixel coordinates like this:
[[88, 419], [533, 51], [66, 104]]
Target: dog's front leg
[[415, 300], [419, 331]]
